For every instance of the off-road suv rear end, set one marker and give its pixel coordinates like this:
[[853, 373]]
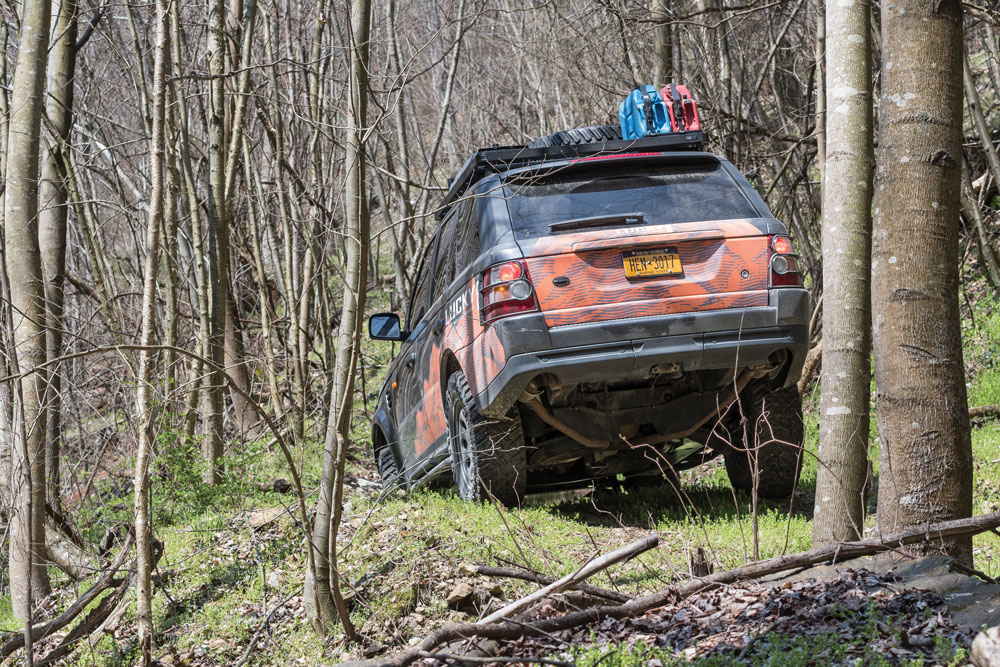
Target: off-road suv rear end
[[599, 311]]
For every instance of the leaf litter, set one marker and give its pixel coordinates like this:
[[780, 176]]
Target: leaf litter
[[860, 614]]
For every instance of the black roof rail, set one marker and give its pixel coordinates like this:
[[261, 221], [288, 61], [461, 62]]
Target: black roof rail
[[504, 158]]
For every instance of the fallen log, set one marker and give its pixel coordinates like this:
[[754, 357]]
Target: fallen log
[[588, 570], [535, 578], [833, 552], [67, 556], [984, 411]]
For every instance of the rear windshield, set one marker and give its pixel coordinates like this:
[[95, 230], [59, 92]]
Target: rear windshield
[[663, 194]]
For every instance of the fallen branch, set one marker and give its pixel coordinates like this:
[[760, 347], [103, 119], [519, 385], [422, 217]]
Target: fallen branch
[[584, 573], [641, 605], [534, 577], [107, 613], [13, 641], [992, 410], [810, 368], [260, 628], [67, 556]]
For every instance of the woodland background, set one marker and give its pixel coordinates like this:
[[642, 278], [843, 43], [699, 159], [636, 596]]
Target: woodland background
[[202, 201]]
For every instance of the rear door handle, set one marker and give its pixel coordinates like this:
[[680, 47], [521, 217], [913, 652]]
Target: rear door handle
[[411, 359]]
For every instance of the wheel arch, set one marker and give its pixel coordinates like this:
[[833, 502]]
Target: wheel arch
[[379, 440], [449, 366]]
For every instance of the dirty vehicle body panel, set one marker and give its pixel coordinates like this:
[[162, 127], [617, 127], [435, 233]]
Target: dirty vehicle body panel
[[647, 358]]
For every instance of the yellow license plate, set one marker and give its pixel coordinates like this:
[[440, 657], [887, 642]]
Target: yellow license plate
[[647, 263]]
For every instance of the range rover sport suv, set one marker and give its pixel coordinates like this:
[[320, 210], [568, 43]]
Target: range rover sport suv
[[613, 310]]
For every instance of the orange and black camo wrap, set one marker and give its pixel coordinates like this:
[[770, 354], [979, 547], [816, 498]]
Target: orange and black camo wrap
[[724, 266], [714, 257], [479, 353]]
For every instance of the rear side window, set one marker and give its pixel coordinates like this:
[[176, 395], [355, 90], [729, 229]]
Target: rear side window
[[663, 194], [466, 237], [418, 300], [444, 266]]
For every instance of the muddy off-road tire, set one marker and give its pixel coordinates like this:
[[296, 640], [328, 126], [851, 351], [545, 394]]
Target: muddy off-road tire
[[487, 455], [594, 134], [774, 427], [388, 471]]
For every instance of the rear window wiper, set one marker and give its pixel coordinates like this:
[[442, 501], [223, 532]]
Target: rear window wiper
[[614, 220]]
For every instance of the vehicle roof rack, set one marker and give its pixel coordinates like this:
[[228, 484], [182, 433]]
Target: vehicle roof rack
[[504, 158]]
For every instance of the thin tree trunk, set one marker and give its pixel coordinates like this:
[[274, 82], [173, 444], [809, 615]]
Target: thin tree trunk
[[845, 377], [28, 576], [925, 458], [218, 242], [144, 400], [821, 74], [52, 227], [972, 213], [976, 110], [235, 350], [663, 45], [328, 600]]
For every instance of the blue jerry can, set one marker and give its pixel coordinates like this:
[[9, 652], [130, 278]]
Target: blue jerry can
[[643, 113]]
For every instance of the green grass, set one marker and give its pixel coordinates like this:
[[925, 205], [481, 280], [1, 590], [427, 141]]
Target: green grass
[[402, 554]]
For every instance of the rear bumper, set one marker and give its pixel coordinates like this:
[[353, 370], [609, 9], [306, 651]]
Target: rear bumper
[[628, 349]]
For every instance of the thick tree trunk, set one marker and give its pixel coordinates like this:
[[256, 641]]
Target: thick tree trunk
[[28, 576], [144, 399], [327, 600], [925, 469], [52, 227], [846, 373]]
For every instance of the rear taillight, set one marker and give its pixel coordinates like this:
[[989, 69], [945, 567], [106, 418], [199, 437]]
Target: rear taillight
[[506, 290], [784, 263]]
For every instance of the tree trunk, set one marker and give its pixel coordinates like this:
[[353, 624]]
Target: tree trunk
[[52, 227], [28, 576], [218, 241], [845, 377], [144, 399], [327, 599], [925, 459], [976, 110], [973, 214], [821, 74], [663, 46]]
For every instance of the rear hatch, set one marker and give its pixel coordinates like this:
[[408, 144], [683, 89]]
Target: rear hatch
[[615, 239]]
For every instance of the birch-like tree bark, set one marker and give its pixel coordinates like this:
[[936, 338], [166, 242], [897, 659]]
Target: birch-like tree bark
[[847, 193], [144, 399], [52, 226], [925, 457], [28, 576]]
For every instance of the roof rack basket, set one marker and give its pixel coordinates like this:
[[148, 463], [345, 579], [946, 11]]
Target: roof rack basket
[[503, 158]]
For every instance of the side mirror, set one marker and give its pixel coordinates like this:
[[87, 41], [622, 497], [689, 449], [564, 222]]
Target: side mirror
[[385, 326]]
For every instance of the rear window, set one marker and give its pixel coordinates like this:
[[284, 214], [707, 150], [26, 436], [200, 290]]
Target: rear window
[[663, 194]]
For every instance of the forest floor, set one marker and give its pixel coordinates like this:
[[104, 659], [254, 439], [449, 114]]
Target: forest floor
[[233, 560]]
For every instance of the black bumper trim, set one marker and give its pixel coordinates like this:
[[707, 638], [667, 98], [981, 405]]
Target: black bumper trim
[[705, 340]]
